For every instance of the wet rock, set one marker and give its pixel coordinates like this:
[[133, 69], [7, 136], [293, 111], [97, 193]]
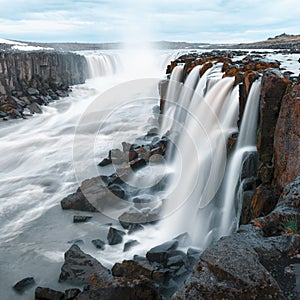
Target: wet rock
[[42, 293], [205, 67], [23, 284], [99, 244], [137, 164], [105, 162], [94, 195], [193, 255], [76, 241], [132, 269], [77, 201], [115, 236], [183, 239], [134, 227], [287, 139], [117, 190], [131, 218], [159, 253], [81, 219], [71, 294], [248, 78], [249, 165], [128, 245], [79, 266]]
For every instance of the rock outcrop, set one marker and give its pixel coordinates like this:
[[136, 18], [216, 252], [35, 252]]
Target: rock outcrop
[[254, 263], [287, 139], [273, 88], [31, 79]]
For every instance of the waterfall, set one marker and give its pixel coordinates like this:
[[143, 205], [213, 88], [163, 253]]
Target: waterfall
[[172, 97], [199, 161], [205, 117], [246, 143], [102, 64]]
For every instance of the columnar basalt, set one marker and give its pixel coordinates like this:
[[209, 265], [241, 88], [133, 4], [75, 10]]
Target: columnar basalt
[[31, 79]]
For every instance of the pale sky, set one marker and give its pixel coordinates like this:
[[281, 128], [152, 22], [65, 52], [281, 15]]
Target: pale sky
[[222, 21]]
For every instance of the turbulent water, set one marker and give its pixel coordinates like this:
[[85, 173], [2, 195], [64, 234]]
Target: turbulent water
[[37, 171], [37, 163]]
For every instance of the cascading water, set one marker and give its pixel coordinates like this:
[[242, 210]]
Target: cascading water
[[102, 64], [171, 98], [200, 160], [246, 143], [201, 155]]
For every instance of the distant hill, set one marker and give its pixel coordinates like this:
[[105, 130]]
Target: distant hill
[[282, 41]]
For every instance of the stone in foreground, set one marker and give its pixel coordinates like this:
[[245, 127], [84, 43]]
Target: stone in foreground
[[79, 267]]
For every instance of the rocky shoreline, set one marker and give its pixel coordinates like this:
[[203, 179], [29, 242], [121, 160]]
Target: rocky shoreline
[[260, 261], [32, 79]]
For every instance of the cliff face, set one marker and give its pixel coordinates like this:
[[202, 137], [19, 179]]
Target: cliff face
[[30, 79], [287, 139]]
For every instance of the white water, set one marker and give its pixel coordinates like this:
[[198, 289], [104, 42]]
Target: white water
[[37, 171], [246, 143], [200, 165], [103, 64], [172, 97]]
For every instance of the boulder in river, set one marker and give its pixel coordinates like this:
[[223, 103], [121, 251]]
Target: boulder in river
[[79, 266]]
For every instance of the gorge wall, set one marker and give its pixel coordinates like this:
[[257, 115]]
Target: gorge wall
[[31, 79]]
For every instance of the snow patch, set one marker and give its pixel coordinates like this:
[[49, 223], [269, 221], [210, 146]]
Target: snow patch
[[23, 46], [9, 42], [30, 48]]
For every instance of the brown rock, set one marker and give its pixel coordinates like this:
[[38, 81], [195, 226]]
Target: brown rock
[[205, 67], [263, 201], [119, 289], [287, 139], [274, 86], [248, 78], [133, 270]]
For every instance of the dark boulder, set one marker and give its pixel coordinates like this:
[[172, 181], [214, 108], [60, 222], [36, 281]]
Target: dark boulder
[[23, 284], [99, 244], [229, 269], [159, 254], [129, 244], [77, 201], [105, 162], [42, 293], [136, 217], [115, 236], [79, 267]]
